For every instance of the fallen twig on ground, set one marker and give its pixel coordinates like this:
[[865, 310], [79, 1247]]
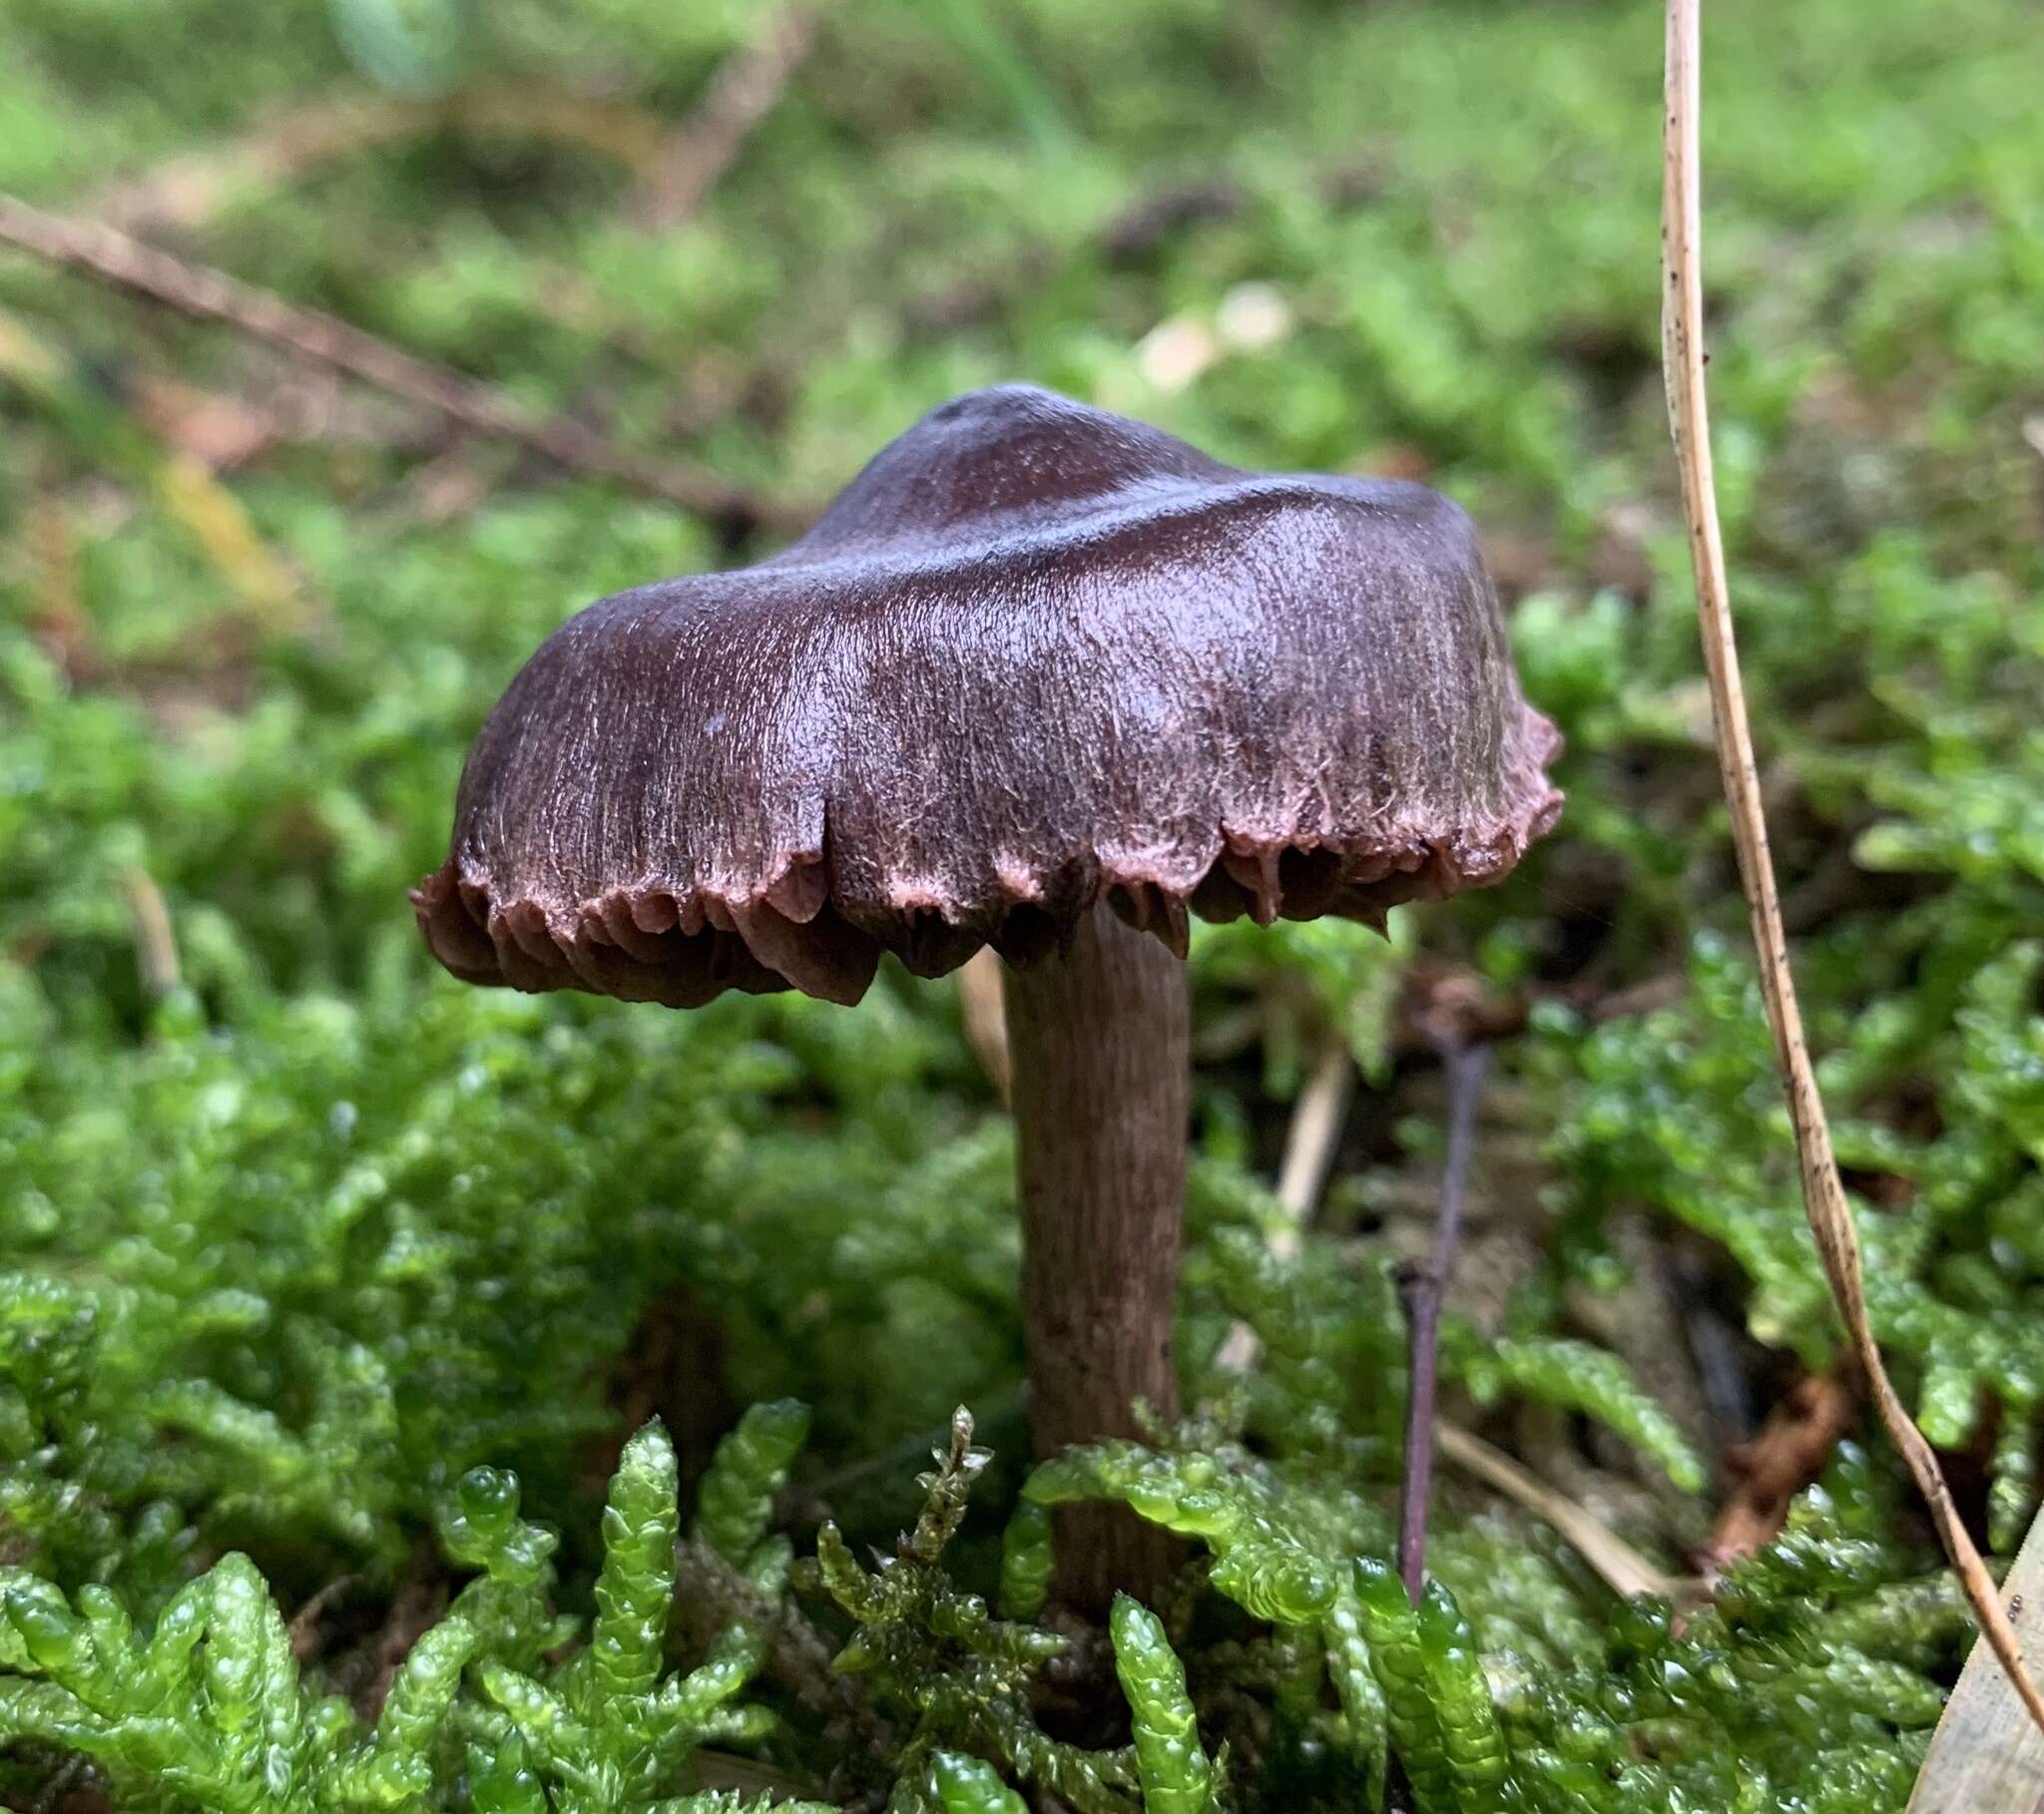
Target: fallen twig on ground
[[1823, 1194], [741, 93], [328, 341], [1790, 1453], [307, 1626]]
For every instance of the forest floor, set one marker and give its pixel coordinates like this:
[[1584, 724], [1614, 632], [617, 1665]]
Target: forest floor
[[301, 1229]]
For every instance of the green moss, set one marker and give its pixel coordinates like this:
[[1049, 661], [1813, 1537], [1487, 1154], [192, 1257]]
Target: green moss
[[307, 1254]]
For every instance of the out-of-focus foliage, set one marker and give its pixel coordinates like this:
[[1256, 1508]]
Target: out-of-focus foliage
[[304, 1254]]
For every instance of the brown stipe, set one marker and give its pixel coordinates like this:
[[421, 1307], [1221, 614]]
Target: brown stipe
[[1099, 1035]]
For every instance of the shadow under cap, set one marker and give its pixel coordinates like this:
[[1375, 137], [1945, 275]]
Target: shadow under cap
[[1035, 657]]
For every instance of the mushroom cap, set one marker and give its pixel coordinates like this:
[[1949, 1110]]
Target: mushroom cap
[[1035, 657]]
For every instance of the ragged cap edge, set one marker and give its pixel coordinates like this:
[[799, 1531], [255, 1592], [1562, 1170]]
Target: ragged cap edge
[[647, 942]]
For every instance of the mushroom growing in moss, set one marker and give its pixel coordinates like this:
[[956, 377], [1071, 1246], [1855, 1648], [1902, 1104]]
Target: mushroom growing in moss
[[1041, 678]]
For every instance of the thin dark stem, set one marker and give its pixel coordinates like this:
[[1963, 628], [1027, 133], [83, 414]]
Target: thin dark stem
[[1420, 1290]]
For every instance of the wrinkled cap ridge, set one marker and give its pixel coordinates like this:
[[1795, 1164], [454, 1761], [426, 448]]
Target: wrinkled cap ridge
[[1034, 657]]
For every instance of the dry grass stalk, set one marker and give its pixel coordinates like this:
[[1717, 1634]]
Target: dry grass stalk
[[156, 941], [1309, 1141], [1624, 1569], [1831, 1216]]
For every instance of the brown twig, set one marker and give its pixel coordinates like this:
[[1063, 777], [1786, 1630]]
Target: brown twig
[[306, 1634], [1790, 1453], [1831, 1216], [1420, 1290], [742, 94], [420, 1601], [213, 295]]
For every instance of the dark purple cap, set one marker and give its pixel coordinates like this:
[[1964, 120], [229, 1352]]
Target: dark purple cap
[[1034, 656]]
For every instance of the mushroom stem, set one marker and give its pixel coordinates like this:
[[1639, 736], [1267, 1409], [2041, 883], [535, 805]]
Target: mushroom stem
[[1099, 1042]]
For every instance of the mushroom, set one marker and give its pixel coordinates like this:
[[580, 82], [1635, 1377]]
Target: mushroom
[[1041, 678]]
